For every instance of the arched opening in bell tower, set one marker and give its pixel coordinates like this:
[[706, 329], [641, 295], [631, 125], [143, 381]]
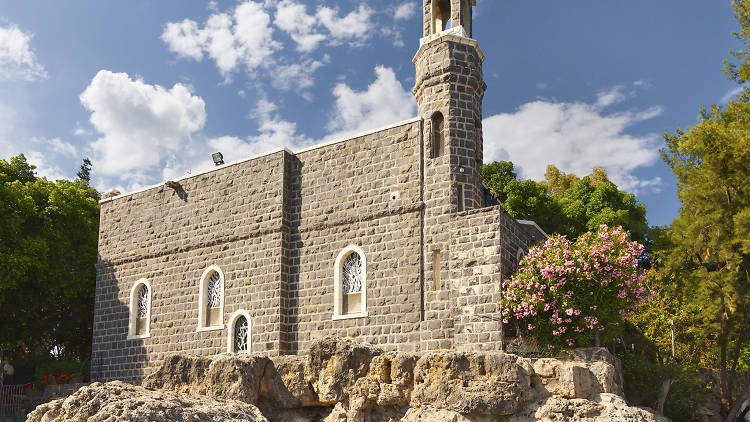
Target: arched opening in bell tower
[[466, 16], [441, 15]]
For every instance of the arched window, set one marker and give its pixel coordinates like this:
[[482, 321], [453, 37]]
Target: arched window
[[139, 324], [350, 288], [239, 333], [438, 134], [441, 15], [211, 299]]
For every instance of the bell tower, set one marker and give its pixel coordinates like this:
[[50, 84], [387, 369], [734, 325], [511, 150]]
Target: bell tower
[[449, 89]]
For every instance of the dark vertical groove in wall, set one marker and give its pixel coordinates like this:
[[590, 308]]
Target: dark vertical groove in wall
[[421, 219]]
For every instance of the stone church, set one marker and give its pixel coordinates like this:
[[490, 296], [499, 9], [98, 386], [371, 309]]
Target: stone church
[[389, 237]]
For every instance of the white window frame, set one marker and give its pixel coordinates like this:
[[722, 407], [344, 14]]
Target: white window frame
[[202, 299], [133, 310], [338, 297], [230, 332]]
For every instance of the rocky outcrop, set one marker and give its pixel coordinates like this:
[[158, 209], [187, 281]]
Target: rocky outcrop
[[119, 401], [341, 381]]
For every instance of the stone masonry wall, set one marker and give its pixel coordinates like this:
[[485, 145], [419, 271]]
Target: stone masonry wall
[[274, 225], [362, 192], [484, 244], [230, 217]]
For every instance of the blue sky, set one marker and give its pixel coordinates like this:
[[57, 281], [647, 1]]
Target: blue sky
[[148, 89]]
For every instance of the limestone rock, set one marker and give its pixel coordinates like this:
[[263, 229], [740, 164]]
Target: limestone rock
[[602, 408], [342, 381], [472, 384], [119, 401], [231, 377], [335, 365], [284, 385]]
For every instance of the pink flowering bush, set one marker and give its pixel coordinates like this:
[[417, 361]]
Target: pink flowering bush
[[563, 293]]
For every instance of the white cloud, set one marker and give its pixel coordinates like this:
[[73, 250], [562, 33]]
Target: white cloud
[[243, 37], [405, 11], [308, 31], [58, 146], [356, 26], [384, 102], [296, 76], [610, 96], [43, 167], [185, 39], [142, 125], [17, 60], [292, 18], [575, 137], [8, 123], [729, 95]]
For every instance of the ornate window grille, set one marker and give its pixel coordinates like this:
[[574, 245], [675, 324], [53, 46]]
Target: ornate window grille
[[139, 310], [352, 272], [241, 335], [143, 302], [213, 294], [350, 284]]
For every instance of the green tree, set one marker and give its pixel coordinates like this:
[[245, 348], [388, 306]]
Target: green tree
[[48, 252], [566, 204], [84, 173], [711, 235]]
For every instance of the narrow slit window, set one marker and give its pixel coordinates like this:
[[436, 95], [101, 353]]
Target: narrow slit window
[[436, 284], [461, 199], [438, 134], [478, 141]]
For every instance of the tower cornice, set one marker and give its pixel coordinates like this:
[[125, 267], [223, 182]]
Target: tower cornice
[[456, 34], [449, 71]]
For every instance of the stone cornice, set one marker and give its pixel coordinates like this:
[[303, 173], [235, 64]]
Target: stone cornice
[[456, 34]]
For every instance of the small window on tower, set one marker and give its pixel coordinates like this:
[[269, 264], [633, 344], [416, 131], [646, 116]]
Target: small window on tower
[[478, 140], [461, 199], [438, 134]]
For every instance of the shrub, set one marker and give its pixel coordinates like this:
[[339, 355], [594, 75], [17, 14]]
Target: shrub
[[567, 294]]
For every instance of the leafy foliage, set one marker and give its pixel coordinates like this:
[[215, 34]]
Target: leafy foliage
[[566, 204], [567, 293], [48, 250], [711, 236]]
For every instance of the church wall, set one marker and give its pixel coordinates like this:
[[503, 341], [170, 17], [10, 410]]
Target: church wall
[[484, 247], [274, 226], [363, 192], [230, 217]]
